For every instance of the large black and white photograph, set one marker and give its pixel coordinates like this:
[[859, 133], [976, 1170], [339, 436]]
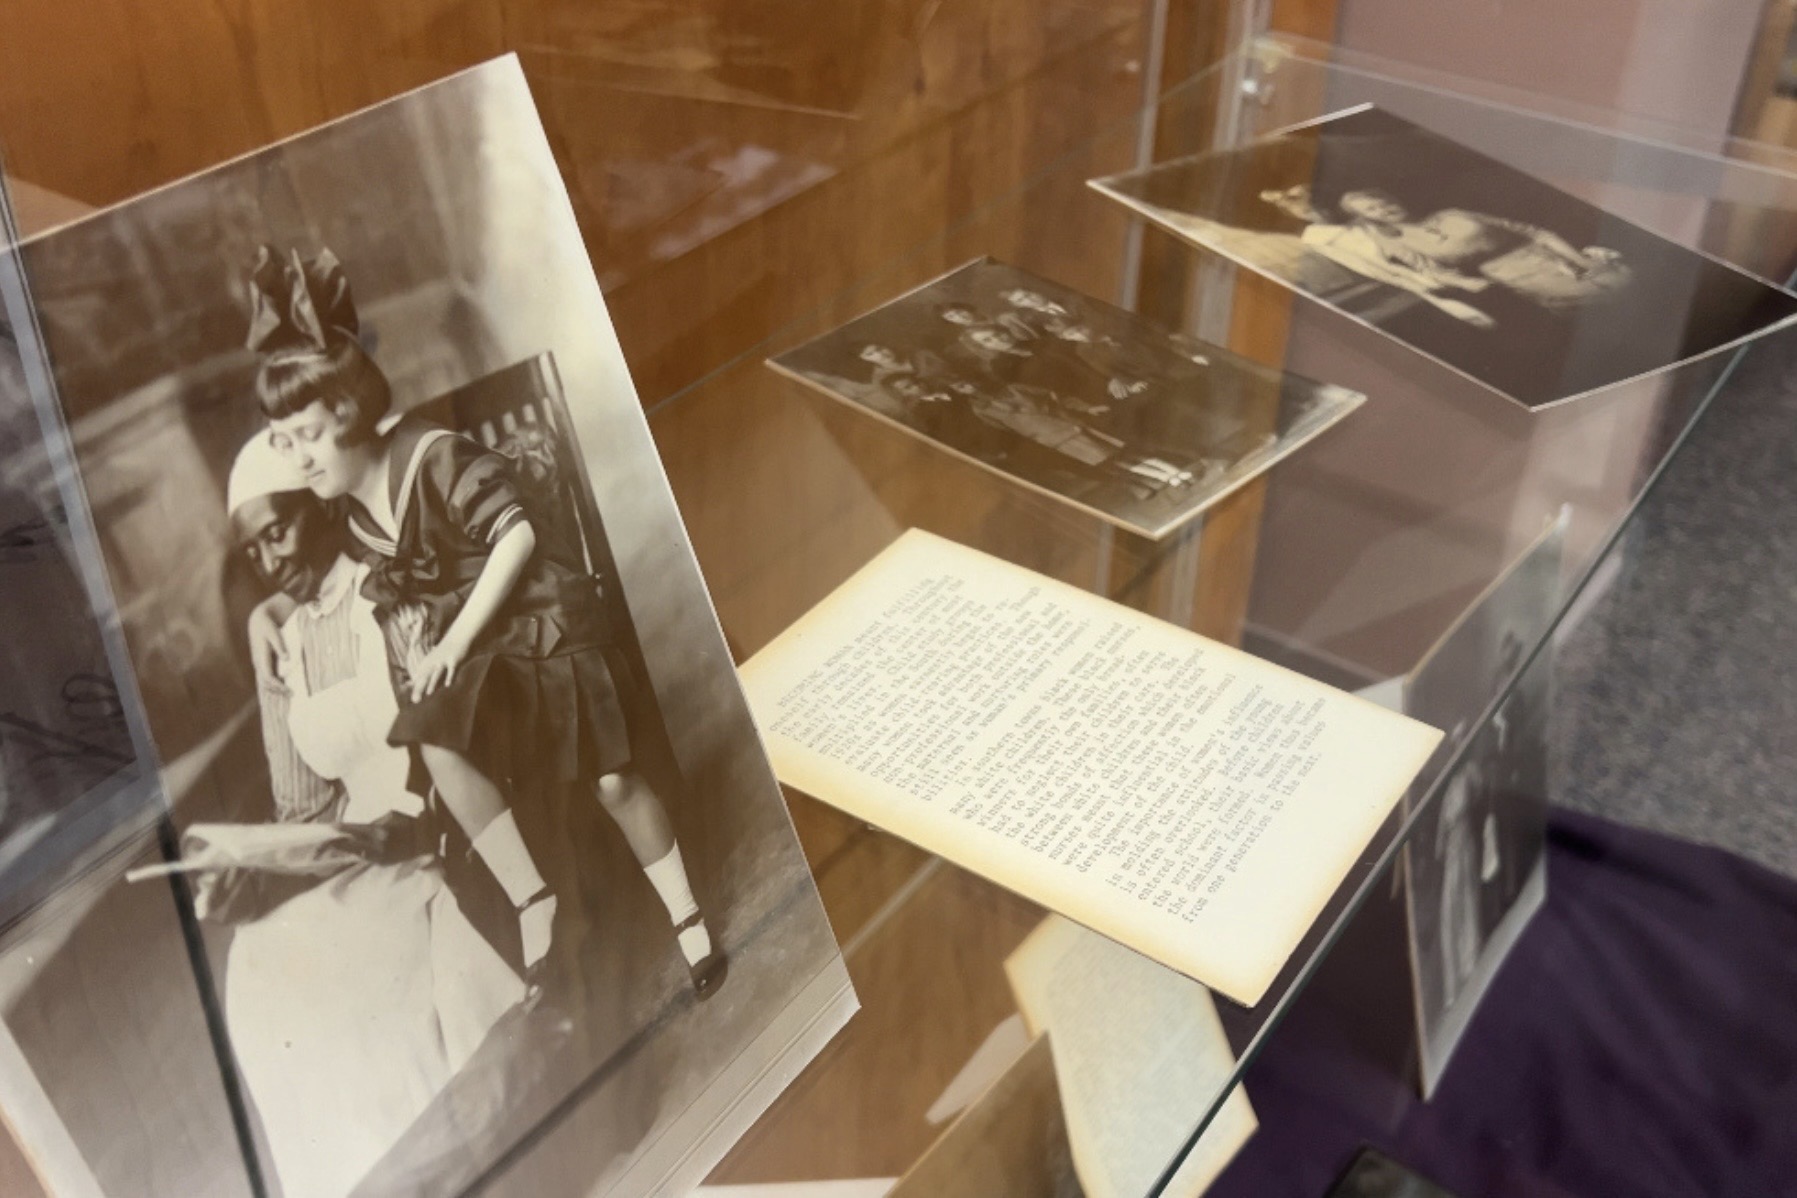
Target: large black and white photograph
[[1494, 273], [1474, 860], [495, 886], [1068, 395]]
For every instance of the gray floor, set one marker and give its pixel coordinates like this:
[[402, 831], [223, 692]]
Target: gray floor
[[1677, 700]]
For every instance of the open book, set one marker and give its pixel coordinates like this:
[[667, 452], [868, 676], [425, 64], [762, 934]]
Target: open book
[[1182, 797]]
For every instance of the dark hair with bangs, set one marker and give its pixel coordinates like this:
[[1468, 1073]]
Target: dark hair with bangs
[[341, 376]]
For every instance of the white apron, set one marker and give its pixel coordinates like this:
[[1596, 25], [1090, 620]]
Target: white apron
[[352, 1004]]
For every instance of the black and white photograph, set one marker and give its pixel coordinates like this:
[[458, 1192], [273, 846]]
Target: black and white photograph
[[1068, 395], [1494, 273], [495, 886], [1474, 859]]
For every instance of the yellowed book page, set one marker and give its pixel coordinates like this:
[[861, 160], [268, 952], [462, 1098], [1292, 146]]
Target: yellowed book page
[[1139, 1058], [1178, 795]]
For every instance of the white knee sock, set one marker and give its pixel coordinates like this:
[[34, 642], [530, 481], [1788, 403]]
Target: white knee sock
[[503, 849], [668, 876]]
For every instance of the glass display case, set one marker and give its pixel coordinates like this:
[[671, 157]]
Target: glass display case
[[797, 204], [1355, 556]]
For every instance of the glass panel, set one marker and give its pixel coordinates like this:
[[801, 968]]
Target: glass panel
[[724, 159], [1361, 549], [92, 967]]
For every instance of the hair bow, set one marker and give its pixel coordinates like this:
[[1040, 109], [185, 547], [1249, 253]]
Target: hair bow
[[298, 302]]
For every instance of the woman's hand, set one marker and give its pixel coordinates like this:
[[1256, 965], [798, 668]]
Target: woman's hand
[[437, 668], [267, 652]]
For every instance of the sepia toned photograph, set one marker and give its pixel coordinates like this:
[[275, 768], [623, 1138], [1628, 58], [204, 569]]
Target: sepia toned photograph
[[1495, 274], [1474, 858], [1068, 395], [493, 885]]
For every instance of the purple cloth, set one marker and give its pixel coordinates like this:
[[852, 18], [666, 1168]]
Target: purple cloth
[[1640, 1041]]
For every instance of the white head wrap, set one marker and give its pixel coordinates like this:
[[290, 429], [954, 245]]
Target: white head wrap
[[260, 469]]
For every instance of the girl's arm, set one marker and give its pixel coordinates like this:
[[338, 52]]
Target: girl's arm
[[505, 565]]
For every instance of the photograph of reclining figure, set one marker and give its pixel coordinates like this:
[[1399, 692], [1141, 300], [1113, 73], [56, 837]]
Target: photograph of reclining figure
[[1495, 274]]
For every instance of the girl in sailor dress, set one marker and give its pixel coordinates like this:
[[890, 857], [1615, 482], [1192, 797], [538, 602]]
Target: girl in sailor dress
[[496, 634]]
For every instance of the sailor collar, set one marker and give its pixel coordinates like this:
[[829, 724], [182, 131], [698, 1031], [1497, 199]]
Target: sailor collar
[[412, 439]]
